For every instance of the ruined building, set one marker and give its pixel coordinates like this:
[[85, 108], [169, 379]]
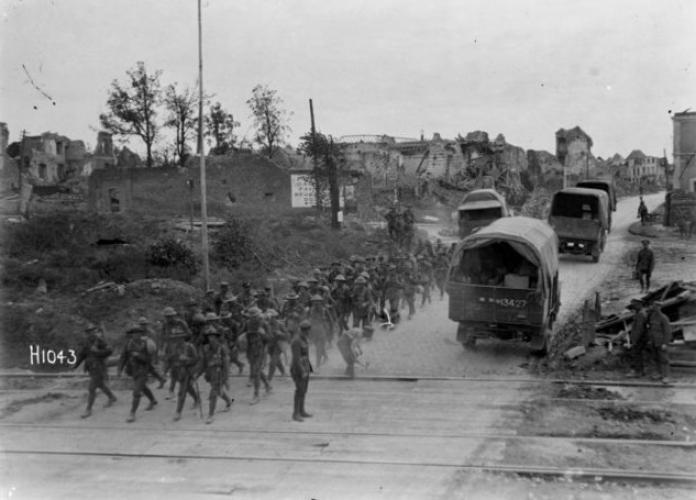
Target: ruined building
[[684, 176], [574, 151]]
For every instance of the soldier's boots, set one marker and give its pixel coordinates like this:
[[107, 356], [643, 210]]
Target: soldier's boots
[[209, 420], [110, 402], [177, 417], [297, 418], [131, 417], [255, 400], [151, 406], [170, 395], [196, 403], [87, 413], [228, 404]]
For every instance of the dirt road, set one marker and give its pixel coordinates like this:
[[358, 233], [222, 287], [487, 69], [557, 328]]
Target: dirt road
[[368, 439]]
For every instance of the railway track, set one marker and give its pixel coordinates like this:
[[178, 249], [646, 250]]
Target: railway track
[[589, 474], [371, 422]]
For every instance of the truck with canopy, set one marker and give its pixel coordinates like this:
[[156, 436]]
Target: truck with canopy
[[503, 283], [479, 208], [580, 217], [605, 185]]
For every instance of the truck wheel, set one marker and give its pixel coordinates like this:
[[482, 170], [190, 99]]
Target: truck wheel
[[545, 341], [595, 253], [466, 336]]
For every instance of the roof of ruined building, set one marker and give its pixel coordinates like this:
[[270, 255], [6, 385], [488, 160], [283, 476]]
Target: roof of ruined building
[[636, 154]]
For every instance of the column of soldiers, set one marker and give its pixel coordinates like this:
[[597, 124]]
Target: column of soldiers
[[335, 305]]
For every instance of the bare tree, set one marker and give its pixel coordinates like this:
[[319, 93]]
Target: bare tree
[[133, 107], [182, 107], [270, 118]]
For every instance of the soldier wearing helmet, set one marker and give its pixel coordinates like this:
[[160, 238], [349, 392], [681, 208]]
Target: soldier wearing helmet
[[300, 368], [172, 326], [135, 359], [94, 352], [182, 360], [215, 368], [361, 301]]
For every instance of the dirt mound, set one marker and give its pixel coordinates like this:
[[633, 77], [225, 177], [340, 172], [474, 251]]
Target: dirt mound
[[56, 322]]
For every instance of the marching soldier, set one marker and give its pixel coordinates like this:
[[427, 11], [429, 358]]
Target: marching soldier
[[135, 359], [214, 366], [349, 346], [320, 325], [94, 353], [361, 301], [300, 369], [153, 349], [171, 327], [278, 337], [182, 362], [256, 338]]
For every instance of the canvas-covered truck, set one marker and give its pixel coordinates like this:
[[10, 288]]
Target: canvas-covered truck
[[580, 217], [479, 208], [503, 283], [605, 185]]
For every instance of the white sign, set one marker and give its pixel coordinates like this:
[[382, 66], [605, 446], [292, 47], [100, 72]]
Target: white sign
[[303, 192]]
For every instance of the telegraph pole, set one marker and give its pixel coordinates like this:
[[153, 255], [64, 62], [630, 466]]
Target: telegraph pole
[[317, 186], [201, 154]]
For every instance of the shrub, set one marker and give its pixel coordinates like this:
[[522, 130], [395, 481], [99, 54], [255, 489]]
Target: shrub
[[233, 244], [172, 253]]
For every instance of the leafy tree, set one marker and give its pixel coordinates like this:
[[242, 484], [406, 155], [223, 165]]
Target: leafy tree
[[270, 119], [183, 118], [220, 125], [325, 155], [133, 107]]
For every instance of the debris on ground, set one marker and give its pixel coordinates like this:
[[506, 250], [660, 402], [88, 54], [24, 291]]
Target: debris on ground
[[575, 352], [572, 391]]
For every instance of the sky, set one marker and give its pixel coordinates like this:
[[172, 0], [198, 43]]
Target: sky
[[616, 68]]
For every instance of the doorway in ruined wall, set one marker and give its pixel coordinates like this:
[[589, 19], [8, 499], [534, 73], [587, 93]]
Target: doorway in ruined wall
[[114, 200]]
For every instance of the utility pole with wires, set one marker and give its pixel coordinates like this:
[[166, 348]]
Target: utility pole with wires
[[201, 154]]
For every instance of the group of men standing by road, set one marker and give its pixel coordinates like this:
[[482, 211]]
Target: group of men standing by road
[[339, 303]]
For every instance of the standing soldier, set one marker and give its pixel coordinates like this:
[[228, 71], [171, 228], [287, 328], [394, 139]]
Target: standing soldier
[[300, 369], [94, 353], [182, 362], [659, 335], [642, 212], [645, 263], [171, 327], [638, 337], [135, 359], [214, 366]]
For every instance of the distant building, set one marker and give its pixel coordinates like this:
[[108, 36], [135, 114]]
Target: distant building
[[641, 167], [684, 176]]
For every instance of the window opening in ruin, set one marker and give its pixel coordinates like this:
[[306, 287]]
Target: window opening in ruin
[[61, 171], [114, 201], [42, 171]]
